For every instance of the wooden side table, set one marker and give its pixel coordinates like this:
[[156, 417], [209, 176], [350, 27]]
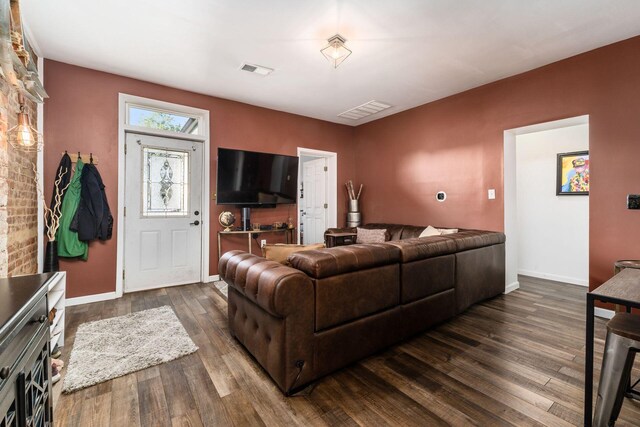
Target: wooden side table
[[620, 265], [340, 239]]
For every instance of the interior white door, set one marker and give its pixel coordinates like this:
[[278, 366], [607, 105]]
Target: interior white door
[[163, 240], [314, 202]]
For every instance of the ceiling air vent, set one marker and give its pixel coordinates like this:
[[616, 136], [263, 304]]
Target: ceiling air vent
[[257, 69], [364, 110]]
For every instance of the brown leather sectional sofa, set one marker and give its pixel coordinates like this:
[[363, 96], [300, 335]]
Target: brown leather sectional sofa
[[335, 306]]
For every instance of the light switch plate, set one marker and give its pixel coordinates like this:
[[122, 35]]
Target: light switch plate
[[263, 243], [491, 194]]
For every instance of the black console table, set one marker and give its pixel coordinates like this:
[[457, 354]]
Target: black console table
[[288, 232], [25, 366]]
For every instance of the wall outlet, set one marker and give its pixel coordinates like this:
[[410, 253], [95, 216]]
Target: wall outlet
[[263, 242], [491, 194], [633, 201]]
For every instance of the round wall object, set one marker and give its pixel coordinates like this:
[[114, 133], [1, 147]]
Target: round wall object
[[441, 196]]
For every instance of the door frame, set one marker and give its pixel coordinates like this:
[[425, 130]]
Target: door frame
[[509, 173], [203, 137], [332, 185]]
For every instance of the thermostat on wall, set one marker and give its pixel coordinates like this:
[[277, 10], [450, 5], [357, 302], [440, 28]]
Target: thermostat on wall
[[633, 201], [441, 196]]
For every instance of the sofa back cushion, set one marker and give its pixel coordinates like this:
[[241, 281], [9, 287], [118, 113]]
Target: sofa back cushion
[[350, 296], [425, 277], [411, 231], [344, 259], [424, 247], [472, 239]]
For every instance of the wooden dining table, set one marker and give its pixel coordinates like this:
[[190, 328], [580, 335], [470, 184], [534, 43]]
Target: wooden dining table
[[622, 289]]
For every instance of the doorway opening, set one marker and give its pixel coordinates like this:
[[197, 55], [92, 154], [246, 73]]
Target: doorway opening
[[547, 233], [317, 195]]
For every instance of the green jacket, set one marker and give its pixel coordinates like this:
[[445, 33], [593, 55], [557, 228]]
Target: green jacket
[[69, 246]]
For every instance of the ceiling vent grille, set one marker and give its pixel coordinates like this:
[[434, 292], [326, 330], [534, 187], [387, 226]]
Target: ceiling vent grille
[[364, 110], [257, 69]]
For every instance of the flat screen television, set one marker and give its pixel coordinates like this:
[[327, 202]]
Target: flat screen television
[[252, 179]]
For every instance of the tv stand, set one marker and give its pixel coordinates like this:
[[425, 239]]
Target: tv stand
[[289, 233]]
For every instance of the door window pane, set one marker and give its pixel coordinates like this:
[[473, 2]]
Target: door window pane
[[165, 186], [161, 120]]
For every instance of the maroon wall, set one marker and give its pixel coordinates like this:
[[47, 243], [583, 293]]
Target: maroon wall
[[456, 145], [82, 115]]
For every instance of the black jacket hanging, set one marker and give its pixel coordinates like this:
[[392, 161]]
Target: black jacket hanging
[[93, 219], [64, 171]]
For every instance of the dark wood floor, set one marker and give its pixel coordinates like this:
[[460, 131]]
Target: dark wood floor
[[515, 360]]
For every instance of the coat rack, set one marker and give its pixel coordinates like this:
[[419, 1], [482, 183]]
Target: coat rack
[[87, 158]]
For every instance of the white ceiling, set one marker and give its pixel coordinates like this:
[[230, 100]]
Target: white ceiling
[[405, 52]]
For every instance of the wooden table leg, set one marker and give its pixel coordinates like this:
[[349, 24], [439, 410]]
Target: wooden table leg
[[588, 363]]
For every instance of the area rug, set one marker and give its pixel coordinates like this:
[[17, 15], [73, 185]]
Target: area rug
[[110, 348]]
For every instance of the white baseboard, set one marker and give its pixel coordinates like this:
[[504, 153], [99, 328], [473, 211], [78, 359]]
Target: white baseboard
[[554, 277], [90, 298], [213, 278], [604, 313], [511, 287]]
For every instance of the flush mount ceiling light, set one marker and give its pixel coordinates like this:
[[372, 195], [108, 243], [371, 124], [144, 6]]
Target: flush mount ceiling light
[[23, 136], [335, 51]]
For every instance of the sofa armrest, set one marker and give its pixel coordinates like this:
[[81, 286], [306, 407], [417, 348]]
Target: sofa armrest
[[278, 289]]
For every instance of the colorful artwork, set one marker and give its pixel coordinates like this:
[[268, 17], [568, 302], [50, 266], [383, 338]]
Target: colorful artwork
[[573, 174]]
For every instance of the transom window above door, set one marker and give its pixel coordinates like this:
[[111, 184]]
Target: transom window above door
[[161, 120]]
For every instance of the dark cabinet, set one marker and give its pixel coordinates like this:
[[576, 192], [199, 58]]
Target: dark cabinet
[[25, 366]]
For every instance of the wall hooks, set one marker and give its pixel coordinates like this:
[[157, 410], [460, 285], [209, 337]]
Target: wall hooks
[[92, 159]]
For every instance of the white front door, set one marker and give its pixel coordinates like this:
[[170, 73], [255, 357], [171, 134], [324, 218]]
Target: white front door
[[163, 240], [314, 203]]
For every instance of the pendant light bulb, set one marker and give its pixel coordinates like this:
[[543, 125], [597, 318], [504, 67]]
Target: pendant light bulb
[[24, 136]]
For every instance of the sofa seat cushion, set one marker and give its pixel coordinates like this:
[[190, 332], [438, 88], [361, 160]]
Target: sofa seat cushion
[[344, 259], [424, 247]]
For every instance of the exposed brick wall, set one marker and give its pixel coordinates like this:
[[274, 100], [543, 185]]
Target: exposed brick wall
[[18, 197]]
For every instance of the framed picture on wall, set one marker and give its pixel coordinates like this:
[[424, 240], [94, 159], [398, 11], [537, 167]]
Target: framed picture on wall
[[572, 178]]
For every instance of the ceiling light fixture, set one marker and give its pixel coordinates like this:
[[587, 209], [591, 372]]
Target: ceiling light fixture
[[23, 136], [335, 51]]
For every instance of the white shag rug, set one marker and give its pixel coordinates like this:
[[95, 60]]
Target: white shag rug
[[110, 348]]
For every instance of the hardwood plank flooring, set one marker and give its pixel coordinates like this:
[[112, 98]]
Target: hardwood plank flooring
[[515, 360]]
